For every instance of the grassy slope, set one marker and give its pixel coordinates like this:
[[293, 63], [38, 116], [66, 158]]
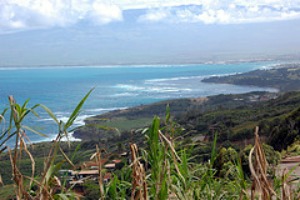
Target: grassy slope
[[141, 116], [7, 192], [238, 124]]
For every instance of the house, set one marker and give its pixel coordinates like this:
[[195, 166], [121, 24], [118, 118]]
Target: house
[[90, 174], [117, 161], [123, 154], [110, 166]]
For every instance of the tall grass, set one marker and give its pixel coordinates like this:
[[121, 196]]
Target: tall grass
[[161, 170], [170, 174], [46, 185]]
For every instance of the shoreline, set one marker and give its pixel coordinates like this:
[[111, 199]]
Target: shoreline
[[129, 109], [262, 78], [225, 61]]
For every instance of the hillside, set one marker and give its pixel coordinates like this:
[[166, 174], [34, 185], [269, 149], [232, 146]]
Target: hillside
[[217, 128], [277, 119], [283, 77], [233, 117], [100, 127]]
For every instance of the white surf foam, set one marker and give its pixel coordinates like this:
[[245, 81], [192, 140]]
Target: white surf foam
[[153, 89], [106, 109], [124, 94], [173, 79]]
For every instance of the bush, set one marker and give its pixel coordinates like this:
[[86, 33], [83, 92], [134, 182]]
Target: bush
[[91, 190]]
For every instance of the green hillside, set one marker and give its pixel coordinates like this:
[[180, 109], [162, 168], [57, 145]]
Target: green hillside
[[283, 77]]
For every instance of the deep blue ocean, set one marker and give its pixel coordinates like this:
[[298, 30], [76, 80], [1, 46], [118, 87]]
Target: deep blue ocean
[[116, 87]]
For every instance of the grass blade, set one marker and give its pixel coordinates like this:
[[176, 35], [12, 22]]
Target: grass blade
[[50, 113], [76, 111], [34, 131]]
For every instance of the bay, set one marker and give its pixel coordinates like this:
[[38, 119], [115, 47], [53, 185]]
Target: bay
[[116, 87]]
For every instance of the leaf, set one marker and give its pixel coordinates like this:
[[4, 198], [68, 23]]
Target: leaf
[[34, 131], [35, 113], [17, 107], [50, 113], [7, 138], [25, 104], [63, 196], [75, 151], [2, 114], [76, 111], [52, 170], [168, 114], [66, 157], [24, 111], [214, 151]]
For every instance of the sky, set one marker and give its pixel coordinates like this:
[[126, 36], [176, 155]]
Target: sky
[[105, 32]]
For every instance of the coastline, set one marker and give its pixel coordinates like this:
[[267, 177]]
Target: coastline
[[143, 115], [105, 65], [180, 106], [283, 77], [92, 112]]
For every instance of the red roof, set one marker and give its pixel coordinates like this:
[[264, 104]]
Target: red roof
[[107, 176]]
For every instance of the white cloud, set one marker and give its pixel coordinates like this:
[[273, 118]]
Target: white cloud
[[146, 4], [155, 15], [228, 12], [34, 14], [105, 13]]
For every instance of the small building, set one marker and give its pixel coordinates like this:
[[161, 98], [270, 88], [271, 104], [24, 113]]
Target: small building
[[92, 174], [110, 166], [123, 154], [117, 161]]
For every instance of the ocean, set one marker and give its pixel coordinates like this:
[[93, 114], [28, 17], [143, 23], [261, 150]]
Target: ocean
[[116, 87]]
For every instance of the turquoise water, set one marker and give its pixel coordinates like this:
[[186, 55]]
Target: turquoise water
[[116, 87]]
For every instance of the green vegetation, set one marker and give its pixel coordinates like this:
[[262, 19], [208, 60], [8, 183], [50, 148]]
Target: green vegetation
[[164, 168], [169, 172], [285, 78], [45, 185], [234, 121], [276, 118], [205, 150], [123, 124], [7, 192]]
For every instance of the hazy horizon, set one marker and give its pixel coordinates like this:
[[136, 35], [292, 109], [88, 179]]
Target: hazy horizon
[[98, 32]]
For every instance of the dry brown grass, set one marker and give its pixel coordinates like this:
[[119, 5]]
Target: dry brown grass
[[139, 184], [260, 184], [262, 187]]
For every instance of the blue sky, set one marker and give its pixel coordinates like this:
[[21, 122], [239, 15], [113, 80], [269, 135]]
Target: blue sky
[[76, 32]]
